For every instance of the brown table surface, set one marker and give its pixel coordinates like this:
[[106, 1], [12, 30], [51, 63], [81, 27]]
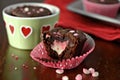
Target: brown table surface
[[105, 59]]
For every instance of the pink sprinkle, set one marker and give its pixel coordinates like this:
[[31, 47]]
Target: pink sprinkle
[[76, 34], [54, 33], [95, 74], [92, 70], [34, 68], [65, 78], [78, 77], [26, 9], [47, 36], [41, 9], [59, 71], [85, 71], [71, 31]]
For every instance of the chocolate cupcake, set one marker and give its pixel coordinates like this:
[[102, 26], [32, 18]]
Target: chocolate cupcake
[[62, 43], [30, 11], [107, 8], [63, 48]]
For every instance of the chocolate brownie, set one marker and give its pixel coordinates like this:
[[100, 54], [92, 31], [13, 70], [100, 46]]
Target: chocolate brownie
[[63, 43], [105, 1], [30, 11]]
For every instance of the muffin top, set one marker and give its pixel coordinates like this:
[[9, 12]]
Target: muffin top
[[105, 1], [30, 11]]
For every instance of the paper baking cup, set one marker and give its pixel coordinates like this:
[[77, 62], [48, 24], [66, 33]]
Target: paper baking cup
[[109, 10], [39, 53]]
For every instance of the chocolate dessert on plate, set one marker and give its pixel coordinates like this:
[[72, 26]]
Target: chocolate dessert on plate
[[63, 48], [62, 43]]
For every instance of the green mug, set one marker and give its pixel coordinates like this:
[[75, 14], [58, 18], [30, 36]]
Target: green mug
[[25, 32]]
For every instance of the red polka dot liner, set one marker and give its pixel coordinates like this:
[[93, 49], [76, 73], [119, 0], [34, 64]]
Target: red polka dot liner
[[39, 54]]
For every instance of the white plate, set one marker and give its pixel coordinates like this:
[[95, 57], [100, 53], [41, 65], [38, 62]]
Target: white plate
[[77, 7]]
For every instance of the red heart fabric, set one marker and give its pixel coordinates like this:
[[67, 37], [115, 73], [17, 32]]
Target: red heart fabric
[[95, 27]]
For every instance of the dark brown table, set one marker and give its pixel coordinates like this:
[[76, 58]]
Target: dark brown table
[[16, 64]]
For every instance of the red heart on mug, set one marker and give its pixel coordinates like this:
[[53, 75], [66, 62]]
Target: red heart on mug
[[11, 28], [45, 28], [26, 31]]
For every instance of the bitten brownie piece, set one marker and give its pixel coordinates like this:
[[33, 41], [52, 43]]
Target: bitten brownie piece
[[105, 1], [63, 43], [30, 11]]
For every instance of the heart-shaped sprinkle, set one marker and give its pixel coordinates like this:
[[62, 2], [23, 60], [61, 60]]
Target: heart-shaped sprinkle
[[59, 71], [65, 78], [95, 74], [26, 9], [92, 70], [26, 31], [34, 68], [72, 31], [78, 77], [76, 34], [86, 71]]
